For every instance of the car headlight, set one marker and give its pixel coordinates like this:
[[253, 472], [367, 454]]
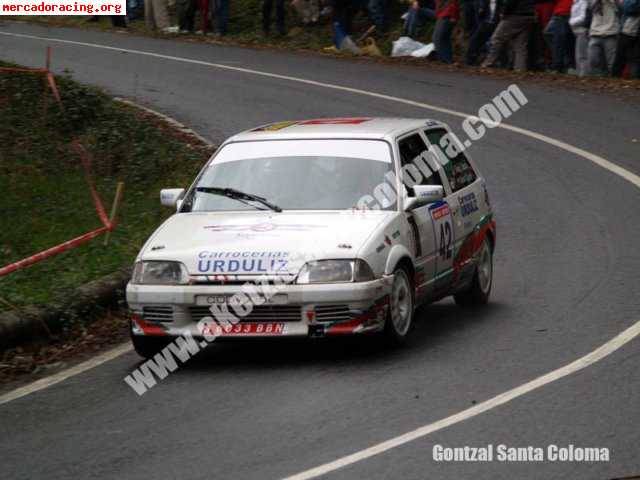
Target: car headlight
[[335, 271], [160, 273]]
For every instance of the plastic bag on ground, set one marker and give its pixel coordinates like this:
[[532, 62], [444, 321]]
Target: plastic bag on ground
[[407, 47]]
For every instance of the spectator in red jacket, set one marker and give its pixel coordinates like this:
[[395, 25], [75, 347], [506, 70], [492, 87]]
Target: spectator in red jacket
[[447, 15], [560, 37]]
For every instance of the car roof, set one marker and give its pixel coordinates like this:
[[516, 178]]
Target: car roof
[[343, 127]]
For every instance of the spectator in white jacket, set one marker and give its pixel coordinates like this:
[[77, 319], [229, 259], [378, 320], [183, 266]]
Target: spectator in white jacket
[[580, 21], [603, 35]]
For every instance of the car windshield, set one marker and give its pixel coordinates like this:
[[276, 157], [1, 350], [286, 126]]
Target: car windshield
[[294, 174]]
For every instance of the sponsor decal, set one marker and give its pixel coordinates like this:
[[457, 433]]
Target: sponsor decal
[[252, 262], [440, 211], [472, 244], [148, 328], [336, 121], [274, 127], [468, 203], [377, 311], [269, 328], [396, 234]]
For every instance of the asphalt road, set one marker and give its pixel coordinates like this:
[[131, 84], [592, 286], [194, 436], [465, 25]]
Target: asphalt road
[[566, 282]]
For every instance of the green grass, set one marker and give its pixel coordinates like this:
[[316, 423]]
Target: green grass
[[45, 199]]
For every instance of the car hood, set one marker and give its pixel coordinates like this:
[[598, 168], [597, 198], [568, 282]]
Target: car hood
[[260, 243]]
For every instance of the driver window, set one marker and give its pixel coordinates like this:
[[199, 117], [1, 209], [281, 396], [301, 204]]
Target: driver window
[[411, 147]]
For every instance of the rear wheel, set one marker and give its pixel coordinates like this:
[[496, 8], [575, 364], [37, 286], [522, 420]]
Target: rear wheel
[[147, 347], [480, 289], [400, 316]]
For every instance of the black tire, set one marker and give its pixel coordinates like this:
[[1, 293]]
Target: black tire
[[479, 290], [147, 347], [396, 332]]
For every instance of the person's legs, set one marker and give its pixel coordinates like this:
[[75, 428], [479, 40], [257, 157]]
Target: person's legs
[[280, 17], [521, 43], [582, 55], [551, 38], [416, 17], [620, 59], [609, 46], [222, 16], [266, 15], [118, 21], [596, 55], [203, 7], [442, 40], [160, 14], [185, 14], [634, 58], [470, 16], [478, 40], [149, 15], [499, 39]]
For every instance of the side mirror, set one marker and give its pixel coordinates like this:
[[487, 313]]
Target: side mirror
[[423, 195], [169, 197]]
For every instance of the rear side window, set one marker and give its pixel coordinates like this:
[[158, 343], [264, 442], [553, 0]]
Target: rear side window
[[458, 170], [411, 147]]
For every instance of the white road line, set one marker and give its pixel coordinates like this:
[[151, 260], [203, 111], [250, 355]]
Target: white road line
[[70, 372], [583, 362]]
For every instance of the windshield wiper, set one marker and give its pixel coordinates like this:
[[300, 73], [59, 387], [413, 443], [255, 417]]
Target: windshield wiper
[[238, 195]]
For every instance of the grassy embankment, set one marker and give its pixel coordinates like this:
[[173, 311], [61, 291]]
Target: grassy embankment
[[45, 199]]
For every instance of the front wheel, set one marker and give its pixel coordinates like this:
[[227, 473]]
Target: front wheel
[[400, 316], [480, 288]]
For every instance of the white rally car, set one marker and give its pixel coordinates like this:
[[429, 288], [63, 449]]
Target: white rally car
[[328, 226]]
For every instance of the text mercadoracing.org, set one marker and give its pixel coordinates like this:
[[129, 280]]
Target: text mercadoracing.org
[[506, 453]]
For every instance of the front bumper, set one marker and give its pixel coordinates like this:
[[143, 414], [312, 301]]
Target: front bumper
[[293, 311]]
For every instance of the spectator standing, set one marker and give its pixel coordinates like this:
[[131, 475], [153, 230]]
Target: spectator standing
[[469, 12], [419, 12], [488, 14], [559, 36], [267, 6], [186, 14], [628, 47], [221, 11], [579, 22], [203, 8], [540, 51], [603, 34], [514, 27], [156, 15], [447, 14]]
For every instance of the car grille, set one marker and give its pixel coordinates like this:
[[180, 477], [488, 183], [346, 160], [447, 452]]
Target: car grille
[[259, 313], [158, 313], [332, 313]]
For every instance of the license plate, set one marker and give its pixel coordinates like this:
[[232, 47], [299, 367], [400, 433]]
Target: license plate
[[266, 328], [230, 300]]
